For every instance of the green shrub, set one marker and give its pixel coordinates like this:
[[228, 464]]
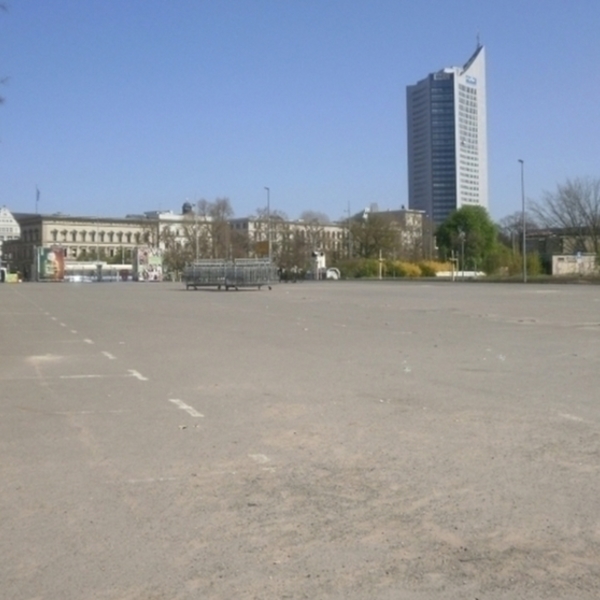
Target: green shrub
[[534, 264], [399, 268], [358, 267]]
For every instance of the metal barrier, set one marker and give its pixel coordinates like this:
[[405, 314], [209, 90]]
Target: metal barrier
[[243, 272]]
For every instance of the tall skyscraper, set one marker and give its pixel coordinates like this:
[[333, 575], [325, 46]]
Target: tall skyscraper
[[447, 139]]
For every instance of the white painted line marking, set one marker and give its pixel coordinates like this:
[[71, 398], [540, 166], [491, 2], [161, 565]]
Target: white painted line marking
[[73, 330], [260, 458], [188, 409], [109, 355], [88, 341], [44, 358], [570, 417], [152, 480], [82, 376], [54, 318], [89, 412], [137, 375], [63, 325]]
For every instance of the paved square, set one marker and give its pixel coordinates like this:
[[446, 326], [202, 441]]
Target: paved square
[[322, 440]]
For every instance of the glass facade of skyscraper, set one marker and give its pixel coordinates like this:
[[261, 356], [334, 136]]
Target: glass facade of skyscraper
[[443, 149], [447, 141]]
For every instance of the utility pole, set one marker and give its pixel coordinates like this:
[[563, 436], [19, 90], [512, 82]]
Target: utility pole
[[196, 226], [349, 234], [524, 220], [269, 221], [462, 235]]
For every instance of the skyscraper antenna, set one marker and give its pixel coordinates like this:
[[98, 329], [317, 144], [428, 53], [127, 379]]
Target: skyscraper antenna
[[478, 41]]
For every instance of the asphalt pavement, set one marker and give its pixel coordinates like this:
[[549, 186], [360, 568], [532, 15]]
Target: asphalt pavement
[[333, 440]]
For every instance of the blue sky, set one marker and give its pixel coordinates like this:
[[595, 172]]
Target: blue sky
[[117, 107]]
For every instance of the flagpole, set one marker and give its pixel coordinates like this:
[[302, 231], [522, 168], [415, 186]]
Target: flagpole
[[37, 199]]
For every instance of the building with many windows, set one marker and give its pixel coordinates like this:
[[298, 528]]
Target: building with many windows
[[411, 232], [447, 139], [9, 228], [292, 242], [189, 236], [79, 237]]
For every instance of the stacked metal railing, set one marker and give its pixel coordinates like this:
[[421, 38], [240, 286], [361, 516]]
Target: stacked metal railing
[[219, 273]]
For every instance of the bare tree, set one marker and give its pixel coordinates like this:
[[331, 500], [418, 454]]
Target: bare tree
[[188, 239], [184, 244], [3, 81], [239, 244], [314, 216], [373, 234], [275, 221], [150, 232], [219, 211], [575, 209], [510, 229], [314, 234]]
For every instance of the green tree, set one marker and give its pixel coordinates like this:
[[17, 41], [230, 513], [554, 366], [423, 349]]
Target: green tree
[[470, 229]]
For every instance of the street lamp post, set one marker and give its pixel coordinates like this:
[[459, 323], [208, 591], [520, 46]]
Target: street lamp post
[[349, 233], [524, 224], [196, 227], [269, 220]]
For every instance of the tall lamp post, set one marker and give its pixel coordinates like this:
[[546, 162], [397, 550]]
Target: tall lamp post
[[524, 224], [269, 220], [196, 215]]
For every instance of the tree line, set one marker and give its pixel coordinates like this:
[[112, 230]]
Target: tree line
[[207, 232], [572, 211], [468, 237]]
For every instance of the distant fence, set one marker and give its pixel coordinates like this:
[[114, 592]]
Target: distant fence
[[97, 272]]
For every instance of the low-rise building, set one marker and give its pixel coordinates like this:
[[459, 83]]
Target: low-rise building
[[403, 234], [292, 242], [189, 235], [9, 228], [578, 264], [564, 250], [79, 238]]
